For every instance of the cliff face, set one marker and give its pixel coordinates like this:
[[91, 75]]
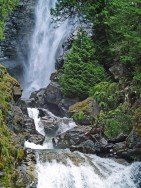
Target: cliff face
[[18, 30]]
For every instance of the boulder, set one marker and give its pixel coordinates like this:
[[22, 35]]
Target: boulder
[[53, 93], [50, 126], [29, 125], [72, 137], [18, 118], [17, 93], [85, 112], [36, 139], [51, 98]]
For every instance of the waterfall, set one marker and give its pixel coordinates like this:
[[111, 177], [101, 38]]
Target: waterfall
[[62, 168], [45, 47], [94, 172]]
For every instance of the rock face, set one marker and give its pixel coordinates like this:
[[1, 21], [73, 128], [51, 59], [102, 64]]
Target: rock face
[[18, 30], [86, 140], [52, 98]]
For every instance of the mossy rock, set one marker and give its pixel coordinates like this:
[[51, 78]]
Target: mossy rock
[[10, 154], [85, 111], [8, 89], [137, 121]]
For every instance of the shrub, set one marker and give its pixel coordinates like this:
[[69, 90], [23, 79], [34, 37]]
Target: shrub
[[117, 121], [106, 94], [81, 71]]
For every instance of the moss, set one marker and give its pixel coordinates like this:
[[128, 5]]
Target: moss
[[85, 112], [137, 121], [10, 154], [20, 154], [81, 106]]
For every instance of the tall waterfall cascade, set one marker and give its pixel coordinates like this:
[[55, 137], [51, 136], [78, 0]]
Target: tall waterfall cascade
[[45, 47]]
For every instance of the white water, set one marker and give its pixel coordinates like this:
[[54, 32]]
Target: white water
[[101, 173], [34, 114], [64, 125], [91, 172], [45, 46]]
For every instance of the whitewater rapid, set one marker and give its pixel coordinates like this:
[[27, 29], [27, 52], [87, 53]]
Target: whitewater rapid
[[64, 169]]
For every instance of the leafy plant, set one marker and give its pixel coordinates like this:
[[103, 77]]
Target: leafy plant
[[117, 121], [106, 94]]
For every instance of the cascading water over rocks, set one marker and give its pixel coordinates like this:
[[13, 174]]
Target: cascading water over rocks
[[57, 168]]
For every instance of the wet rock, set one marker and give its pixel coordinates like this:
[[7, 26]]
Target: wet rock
[[36, 139], [53, 93], [59, 62], [29, 125], [18, 29], [50, 126], [122, 137], [18, 118], [87, 146], [72, 137], [51, 98], [65, 103], [61, 156], [54, 76], [27, 176]]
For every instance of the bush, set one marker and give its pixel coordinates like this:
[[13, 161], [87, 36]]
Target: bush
[[117, 121], [81, 70], [106, 94]]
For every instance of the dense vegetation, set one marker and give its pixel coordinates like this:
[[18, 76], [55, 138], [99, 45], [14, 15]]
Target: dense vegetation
[[81, 69], [6, 6], [116, 42], [9, 154]]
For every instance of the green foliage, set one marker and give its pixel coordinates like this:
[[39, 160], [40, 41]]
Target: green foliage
[[124, 31], [79, 116], [81, 70], [106, 94], [117, 121], [137, 120], [6, 6], [9, 154]]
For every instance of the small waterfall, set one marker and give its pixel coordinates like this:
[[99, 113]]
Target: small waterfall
[[45, 47], [34, 114], [64, 169], [64, 124], [94, 172]]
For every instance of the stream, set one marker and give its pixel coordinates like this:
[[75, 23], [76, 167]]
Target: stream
[[58, 168]]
